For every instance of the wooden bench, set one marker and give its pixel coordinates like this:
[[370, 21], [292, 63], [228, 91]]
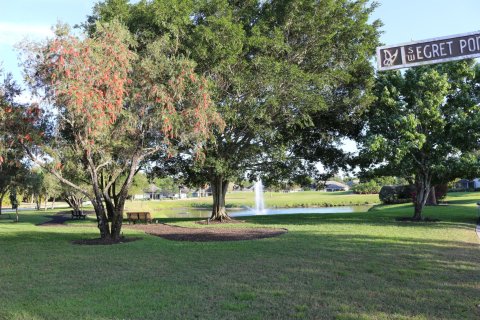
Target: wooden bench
[[139, 216], [78, 214]]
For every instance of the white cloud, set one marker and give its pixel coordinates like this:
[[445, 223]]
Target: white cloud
[[11, 33]]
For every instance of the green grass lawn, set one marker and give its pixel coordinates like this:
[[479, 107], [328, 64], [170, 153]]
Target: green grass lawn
[[339, 266]]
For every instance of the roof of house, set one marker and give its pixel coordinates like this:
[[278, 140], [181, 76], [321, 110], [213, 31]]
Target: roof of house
[[335, 184], [152, 189]]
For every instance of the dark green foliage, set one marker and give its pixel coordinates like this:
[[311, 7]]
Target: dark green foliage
[[441, 191], [396, 194], [424, 125], [12, 167]]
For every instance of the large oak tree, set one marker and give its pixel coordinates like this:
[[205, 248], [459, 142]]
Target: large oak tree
[[290, 79]]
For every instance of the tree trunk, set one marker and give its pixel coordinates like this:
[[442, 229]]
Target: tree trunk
[[53, 203], [73, 201], [115, 202], [422, 184], [110, 210], [38, 203], [432, 198], [1, 201], [102, 220], [117, 223], [219, 190], [46, 202]]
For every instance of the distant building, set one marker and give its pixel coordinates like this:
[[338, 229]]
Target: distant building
[[332, 186], [351, 183], [199, 193], [152, 192], [155, 193], [465, 184], [476, 184], [140, 197]]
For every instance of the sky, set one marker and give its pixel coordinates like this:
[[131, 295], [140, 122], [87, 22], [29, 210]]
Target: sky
[[404, 20]]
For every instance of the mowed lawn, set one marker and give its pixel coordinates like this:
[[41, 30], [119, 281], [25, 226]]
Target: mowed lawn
[[338, 266]]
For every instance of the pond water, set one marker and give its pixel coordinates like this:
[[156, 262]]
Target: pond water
[[205, 213]]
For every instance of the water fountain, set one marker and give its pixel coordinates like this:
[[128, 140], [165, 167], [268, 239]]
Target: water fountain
[[259, 202]]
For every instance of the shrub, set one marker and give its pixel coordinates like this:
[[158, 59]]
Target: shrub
[[396, 194], [441, 191], [369, 187]]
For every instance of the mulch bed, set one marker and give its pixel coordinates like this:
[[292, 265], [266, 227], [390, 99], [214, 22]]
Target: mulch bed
[[207, 234], [99, 241], [410, 219], [176, 233], [205, 222]]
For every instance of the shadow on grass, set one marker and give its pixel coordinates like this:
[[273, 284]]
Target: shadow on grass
[[375, 218]]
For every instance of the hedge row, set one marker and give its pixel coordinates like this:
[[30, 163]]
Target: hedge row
[[396, 194]]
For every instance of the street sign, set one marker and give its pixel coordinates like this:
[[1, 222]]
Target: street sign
[[417, 53]]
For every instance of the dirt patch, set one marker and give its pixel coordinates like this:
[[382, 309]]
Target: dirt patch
[[207, 234], [104, 242], [409, 219]]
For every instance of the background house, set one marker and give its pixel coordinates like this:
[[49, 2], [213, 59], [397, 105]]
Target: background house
[[152, 192], [198, 193], [331, 186], [466, 184]]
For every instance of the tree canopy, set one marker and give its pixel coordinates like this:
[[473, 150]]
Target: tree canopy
[[424, 125], [12, 165], [290, 79]]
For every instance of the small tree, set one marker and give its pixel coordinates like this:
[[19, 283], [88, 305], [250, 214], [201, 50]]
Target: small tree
[[12, 166], [34, 186], [114, 110], [424, 124]]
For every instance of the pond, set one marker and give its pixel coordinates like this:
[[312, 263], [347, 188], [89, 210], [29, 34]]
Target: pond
[[205, 213]]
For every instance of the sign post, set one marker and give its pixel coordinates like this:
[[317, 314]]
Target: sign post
[[429, 51]]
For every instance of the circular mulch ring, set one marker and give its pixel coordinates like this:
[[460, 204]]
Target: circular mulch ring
[[410, 219], [219, 222], [207, 234], [99, 241]]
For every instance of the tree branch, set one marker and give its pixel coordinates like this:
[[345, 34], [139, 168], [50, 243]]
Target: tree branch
[[55, 172]]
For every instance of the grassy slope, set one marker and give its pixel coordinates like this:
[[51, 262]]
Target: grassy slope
[[348, 266]]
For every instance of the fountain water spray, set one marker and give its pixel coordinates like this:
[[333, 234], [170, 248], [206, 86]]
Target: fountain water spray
[[259, 202]]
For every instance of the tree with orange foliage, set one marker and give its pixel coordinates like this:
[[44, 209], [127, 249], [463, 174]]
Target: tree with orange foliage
[[110, 109]]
